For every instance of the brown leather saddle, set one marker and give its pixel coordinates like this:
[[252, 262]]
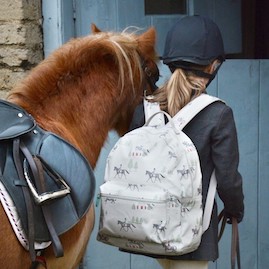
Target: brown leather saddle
[[50, 182]]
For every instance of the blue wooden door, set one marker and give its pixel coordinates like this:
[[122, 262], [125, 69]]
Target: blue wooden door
[[243, 84]]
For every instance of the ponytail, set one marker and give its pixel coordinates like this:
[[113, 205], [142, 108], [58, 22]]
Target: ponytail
[[179, 90]]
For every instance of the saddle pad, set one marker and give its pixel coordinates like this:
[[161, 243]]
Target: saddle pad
[[15, 220]]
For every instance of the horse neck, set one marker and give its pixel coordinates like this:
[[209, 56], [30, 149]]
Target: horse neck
[[79, 99], [84, 123]]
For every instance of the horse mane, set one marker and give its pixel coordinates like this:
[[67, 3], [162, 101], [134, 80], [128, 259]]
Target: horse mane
[[75, 58], [89, 85]]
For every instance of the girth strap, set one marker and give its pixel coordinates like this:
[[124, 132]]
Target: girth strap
[[38, 175], [28, 200], [57, 246]]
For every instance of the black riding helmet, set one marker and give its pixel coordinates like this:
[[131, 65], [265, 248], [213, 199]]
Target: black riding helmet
[[193, 40]]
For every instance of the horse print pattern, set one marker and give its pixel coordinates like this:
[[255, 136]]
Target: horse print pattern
[[159, 228], [152, 193], [125, 226], [120, 172], [153, 176]]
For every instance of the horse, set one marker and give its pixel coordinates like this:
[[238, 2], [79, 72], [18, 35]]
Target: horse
[[81, 91], [126, 226], [120, 172], [153, 176]]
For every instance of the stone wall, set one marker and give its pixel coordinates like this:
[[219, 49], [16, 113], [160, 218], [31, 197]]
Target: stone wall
[[21, 41]]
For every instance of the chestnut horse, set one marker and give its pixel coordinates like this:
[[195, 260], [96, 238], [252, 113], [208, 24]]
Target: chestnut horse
[[83, 90]]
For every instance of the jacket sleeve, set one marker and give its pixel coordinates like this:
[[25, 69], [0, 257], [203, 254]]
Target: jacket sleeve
[[225, 156]]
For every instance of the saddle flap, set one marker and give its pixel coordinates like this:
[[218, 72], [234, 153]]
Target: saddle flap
[[67, 162], [14, 121], [75, 170]]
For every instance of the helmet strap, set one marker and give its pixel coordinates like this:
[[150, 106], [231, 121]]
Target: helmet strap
[[199, 73], [203, 74]]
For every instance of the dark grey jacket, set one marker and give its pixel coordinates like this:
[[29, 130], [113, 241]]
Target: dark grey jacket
[[213, 132]]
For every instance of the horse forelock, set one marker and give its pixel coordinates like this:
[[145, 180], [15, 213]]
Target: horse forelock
[[125, 47]]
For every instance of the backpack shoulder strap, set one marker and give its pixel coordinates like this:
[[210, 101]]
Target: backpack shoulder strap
[[209, 201], [189, 111], [185, 115]]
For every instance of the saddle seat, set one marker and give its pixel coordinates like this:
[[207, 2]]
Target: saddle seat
[[43, 166]]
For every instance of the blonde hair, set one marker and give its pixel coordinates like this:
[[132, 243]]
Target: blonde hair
[[179, 90]]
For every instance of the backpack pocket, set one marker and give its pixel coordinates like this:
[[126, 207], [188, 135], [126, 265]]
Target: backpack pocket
[[139, 212]]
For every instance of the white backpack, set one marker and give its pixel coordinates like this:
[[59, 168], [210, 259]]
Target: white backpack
[[151, 201]]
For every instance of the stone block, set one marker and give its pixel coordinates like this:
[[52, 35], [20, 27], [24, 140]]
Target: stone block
[[20, 57], [32, 9], [21, 41], [12, 56], [11, 10], [12, 33], [9, 78], [19, 32], [20, 9]]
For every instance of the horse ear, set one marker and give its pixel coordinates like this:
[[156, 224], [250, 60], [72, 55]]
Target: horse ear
[[95, 29], [146, 42]]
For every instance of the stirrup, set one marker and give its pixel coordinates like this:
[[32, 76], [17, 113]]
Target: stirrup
[[46, 196]]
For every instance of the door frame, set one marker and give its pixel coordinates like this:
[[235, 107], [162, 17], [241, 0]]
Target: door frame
[[58, 23]]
